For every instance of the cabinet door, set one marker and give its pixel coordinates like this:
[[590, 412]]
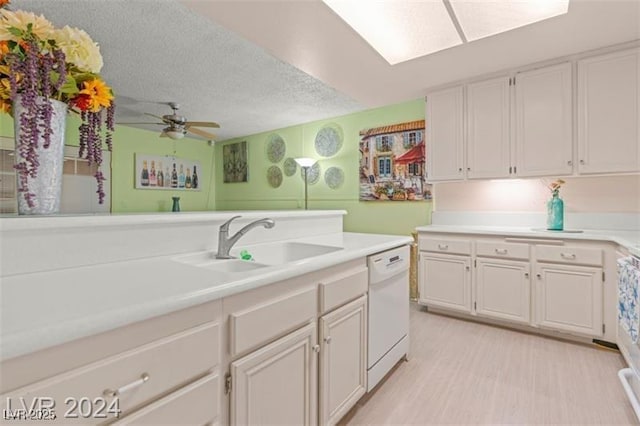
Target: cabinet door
[[444, 135], [502, 289], [488, 141], [343, 360], [608, 112], [544, 122], [569, 298], [276, 384], [445, 281]]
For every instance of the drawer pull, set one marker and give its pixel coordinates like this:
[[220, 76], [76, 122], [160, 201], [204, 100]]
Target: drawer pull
[[570, 256], [501, 251], [443, 246], [126, 388]]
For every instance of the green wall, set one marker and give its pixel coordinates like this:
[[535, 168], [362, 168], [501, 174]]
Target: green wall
[[373, 217], [126, 142]]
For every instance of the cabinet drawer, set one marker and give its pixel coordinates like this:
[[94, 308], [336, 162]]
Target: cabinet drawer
[[195, 404], [444, 245], [502, 249], [167, 363], [338, 290], [261, 323], [571, 255]]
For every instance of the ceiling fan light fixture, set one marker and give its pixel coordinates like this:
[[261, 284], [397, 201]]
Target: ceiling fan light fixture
[[174, 133]]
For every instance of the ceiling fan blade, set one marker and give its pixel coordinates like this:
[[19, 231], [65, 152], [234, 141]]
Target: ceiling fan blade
[[202, 124], [162, 124], [201, 133], [154, 116]]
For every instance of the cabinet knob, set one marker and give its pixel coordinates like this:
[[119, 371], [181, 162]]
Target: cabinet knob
[[539, 276], [468, 268], [468, 169], [526, 275], [327, 340], [569, 163], [581, 161], [460, 169], [316, 348]]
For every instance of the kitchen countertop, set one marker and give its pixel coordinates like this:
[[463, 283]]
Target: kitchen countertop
[[44, 309], [628, 239]]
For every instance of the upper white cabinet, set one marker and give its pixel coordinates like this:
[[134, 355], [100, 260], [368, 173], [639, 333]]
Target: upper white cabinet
[[608, 111], [444, 129], [488, 141], [544, 122]]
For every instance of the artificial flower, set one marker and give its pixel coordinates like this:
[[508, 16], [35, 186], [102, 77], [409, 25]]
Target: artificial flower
[[4, 3], [99, 94], [83, 102], [4, 48], [79, 49], [40, 26]]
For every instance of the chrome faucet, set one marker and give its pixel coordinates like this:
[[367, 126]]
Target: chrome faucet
[[225, 243]]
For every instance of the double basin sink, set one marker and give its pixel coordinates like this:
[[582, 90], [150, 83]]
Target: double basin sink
[[263, 255]]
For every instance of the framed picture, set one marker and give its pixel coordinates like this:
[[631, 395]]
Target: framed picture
[[167, 172], [235, 163], [393, 163]]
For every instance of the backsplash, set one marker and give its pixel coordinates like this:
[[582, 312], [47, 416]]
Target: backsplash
[[602, 194]]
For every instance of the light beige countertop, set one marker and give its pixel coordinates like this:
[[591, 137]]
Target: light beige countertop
[[43, 309], [628, 239]]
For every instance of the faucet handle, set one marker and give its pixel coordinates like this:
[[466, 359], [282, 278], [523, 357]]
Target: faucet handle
[[225, 226]]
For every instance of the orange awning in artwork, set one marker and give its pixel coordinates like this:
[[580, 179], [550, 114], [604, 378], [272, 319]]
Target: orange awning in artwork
[[414, 155]]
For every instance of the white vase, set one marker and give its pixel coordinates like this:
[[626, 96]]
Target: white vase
[[47, 185]]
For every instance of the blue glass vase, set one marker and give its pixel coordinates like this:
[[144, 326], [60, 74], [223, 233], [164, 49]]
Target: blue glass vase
[[555, 213]]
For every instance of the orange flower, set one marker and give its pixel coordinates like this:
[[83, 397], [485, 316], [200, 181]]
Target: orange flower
[[83, 102], [4, 3], [4, 47], [99, 94]]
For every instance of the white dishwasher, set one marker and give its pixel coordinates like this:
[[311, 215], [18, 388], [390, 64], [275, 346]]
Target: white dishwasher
[[388, 328]]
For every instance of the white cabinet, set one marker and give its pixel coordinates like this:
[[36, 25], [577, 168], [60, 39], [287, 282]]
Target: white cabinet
[[488, 138], [608, 113], [445, 281], [277, 383], [503, 289], [544, 122], [343, 360], [444, 134], [569, 298]]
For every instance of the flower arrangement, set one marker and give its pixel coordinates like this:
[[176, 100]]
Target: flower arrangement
[[39, 61], [555, 186]]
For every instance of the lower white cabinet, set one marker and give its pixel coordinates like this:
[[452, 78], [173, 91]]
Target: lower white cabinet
[[343, 360], [503, 289], [445, 281], [569, 298], [276, 384]]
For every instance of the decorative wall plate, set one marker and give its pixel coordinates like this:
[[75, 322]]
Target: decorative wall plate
[[313, 175], [290, 167], [329, 140], [274, 176], [276, 148], [334, 177]]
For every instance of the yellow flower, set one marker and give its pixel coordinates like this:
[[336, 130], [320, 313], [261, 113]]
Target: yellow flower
[[19, 19], [5, 106], [99, 94], [79, 49]]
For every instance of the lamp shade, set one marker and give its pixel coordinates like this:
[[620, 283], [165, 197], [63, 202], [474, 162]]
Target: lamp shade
[[305, 161], [174, 134]]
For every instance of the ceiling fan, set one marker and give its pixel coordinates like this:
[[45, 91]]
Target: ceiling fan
[[177, 126]]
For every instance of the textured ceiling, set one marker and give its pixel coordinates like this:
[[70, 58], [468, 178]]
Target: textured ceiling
[[159, 51], [248, 64]]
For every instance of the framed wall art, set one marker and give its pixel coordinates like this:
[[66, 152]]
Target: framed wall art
[[167, 172], [235, 162]]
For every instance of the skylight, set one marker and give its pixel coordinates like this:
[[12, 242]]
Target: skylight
[[401, 30]]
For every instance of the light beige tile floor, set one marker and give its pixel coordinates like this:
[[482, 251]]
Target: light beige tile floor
[[462, 372]]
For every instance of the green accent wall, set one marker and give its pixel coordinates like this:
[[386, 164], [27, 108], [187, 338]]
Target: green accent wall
[[126, 142], [391, 217]]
